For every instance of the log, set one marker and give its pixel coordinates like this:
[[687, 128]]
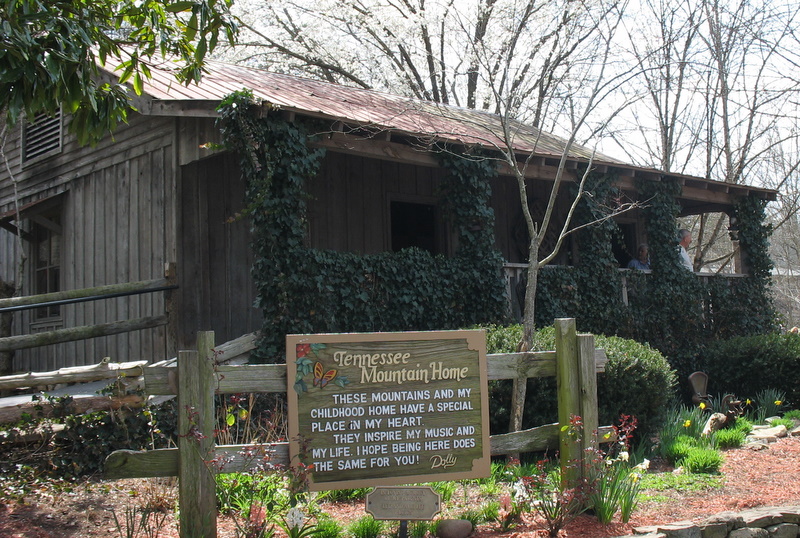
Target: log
[[77, 406], [538, 439], [59, 336], [17, 436], [109, 289], [159, 380], [236, 350], [225, 459], [74, 374]]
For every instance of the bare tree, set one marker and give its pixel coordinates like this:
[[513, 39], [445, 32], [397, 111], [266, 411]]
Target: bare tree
[[539, 65], [721, 96]]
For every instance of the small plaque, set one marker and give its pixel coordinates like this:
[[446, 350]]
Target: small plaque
[[403, 503]]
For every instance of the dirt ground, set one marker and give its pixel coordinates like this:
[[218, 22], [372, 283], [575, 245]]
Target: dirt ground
[[751, 478]]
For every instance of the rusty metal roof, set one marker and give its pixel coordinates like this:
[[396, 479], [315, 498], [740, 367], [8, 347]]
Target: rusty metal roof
[[381, 111], [359, 107]]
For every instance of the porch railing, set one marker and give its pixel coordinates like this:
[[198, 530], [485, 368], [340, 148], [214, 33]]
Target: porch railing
[[515, 281]]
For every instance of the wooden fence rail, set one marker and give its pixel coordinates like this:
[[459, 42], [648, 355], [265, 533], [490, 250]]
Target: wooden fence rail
[[72, 334], [196, 379]]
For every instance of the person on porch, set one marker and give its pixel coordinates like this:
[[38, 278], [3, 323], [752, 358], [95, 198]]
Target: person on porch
[[642, 259], [684, 239]]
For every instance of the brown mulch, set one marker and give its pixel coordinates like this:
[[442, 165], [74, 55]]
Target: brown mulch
[[751, 478]]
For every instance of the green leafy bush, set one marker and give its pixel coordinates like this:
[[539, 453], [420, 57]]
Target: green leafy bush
[[749, 365], [786, 422], [638, 381], [743, 425], [327, 527], [730, 438], [703, 460], [82, 447], [678, 449], [793, 414], [366, 527]]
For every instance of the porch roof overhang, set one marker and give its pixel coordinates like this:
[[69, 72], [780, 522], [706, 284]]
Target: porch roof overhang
[[390, 127], [32, 210]]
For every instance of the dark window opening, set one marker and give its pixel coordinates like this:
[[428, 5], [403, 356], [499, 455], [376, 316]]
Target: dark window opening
[[413, 225], [623, 244], [47, 259]]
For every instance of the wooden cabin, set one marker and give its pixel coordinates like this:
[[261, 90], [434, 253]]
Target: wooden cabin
[[151, 200]]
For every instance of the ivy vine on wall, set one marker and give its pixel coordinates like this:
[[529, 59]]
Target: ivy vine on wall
[[304, 290]]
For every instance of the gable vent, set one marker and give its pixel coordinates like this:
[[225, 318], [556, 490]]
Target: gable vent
[[42, 137]]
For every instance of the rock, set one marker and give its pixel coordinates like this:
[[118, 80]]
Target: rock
[[761, 517], [715, 422], [749, 533], [453, 528], [783, 530], [680, 529], [714, 530], [775, 431]]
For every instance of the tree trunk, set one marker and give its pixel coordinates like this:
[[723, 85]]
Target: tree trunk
[[529, 328], [6, 321]]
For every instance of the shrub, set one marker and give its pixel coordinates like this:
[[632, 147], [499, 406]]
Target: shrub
[[703, 460], [638, 381], [678, 449], [82, 447], [794, 414], [346, 495], [751, 364], [730, 438], [327, 527], [743, 425], [787, 422], [366, 527]]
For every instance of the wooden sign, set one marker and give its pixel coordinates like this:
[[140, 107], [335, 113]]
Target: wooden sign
[[383, 409], [409, 503]]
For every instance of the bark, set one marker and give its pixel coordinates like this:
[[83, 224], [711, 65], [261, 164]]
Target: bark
[[6, 322]]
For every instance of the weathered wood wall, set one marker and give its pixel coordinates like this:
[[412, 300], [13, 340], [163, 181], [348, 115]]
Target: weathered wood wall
[[214, 254], [350, 201], [118, 221]]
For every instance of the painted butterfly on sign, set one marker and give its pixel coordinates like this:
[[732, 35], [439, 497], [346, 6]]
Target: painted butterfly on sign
[[321, 377]]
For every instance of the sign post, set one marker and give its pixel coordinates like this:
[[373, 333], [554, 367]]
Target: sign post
[[384, 409]]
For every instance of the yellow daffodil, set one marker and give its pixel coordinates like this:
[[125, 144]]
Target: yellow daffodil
[[778, 402], [687, 423], [702, 405], [748, 401]]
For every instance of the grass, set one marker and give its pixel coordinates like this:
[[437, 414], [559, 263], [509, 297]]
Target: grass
[[682, 482]]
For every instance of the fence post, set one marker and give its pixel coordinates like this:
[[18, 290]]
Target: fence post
[[588, 396], [197, 488], [569, 404], [576, 379]]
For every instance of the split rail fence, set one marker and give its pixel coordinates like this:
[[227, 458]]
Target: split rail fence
[[198, 377]]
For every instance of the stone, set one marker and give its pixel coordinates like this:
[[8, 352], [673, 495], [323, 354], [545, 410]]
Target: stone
[[732, 520], [771, 434], [790, 514], [715, 422], [761, 517], [453, 528], [680, 529], [749, 533], [714, 530], [783, 530]]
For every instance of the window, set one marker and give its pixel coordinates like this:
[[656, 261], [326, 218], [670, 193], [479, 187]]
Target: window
[[42, 138], [414, 225], [46, 261]]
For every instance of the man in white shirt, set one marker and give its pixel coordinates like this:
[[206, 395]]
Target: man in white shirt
[[684, 238]]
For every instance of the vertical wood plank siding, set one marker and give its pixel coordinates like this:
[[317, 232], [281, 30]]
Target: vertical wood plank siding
[[114, 230], [214, 255]]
